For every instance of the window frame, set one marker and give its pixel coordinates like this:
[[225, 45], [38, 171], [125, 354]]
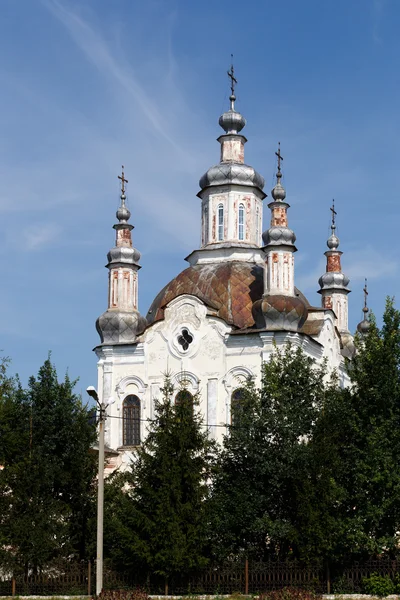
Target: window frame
[[241, 222], [131, 429], [220, 217]]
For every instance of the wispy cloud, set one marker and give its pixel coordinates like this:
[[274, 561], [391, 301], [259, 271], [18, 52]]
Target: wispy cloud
[[378, 7]]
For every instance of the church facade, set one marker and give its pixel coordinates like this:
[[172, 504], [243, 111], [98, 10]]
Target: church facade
[[217, 321]]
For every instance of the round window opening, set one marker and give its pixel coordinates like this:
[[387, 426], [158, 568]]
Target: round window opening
[[185, 339]]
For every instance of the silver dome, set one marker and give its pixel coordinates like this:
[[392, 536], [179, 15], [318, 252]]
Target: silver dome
[[123, 213], [227, 173], [333, 242], [363, 326], [278, 192], [232, 121], [348, 348], [116, 326], [123, 254], [334, 280], [279, 236]]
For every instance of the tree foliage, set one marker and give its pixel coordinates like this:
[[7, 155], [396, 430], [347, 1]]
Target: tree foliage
[[158, 521], [266, 461], [47, 475]]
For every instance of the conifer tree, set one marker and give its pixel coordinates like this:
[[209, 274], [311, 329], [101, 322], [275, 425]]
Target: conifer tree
[[46, 482], [159, 522]]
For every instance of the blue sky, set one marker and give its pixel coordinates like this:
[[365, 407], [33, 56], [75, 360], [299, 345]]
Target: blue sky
[[89, 85]]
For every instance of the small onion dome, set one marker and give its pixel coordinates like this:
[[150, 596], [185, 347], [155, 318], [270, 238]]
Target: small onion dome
[[276, 312], [278, 192], [364, 325], [348, 348], [333, 241], [123, 254], [115, 326], [333, 280], [279, 236], [226, 173], [232, 121], [123, 213]]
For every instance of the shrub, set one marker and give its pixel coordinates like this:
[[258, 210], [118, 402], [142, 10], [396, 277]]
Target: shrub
[[135, 594], [289, 593], [343, 585], [378, 585]]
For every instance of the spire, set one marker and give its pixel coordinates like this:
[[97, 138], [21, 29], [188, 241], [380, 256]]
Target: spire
[[278, 193], [123, 213], [364, 325], [231, 75], [279, 308], [334, 287], [231, 191], [333, 240], [232, 121], [122, 322]]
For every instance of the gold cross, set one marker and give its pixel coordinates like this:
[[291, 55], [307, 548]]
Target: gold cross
[[123, 180], [334, 213], [231, 75], [280, 157]]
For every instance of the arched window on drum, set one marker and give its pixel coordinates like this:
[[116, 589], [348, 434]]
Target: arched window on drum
[[220, 222], [131, 421], [237, 398], [241, 222]]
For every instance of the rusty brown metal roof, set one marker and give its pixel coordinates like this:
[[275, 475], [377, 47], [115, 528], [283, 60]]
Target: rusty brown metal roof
[[230, 288]]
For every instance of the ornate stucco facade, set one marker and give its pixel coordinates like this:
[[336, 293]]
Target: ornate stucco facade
[[216, 322]]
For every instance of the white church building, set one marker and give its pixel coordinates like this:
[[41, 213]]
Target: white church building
[[217, 321]]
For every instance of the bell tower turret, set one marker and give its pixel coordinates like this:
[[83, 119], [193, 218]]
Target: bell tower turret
[[122, 322]]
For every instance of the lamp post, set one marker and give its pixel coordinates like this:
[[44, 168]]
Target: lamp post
[[100, 490]]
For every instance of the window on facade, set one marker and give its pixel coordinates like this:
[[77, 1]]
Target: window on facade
[[241, 221], [183, 396], [236, 404], [185, 339], [220, 222], [131, 421]]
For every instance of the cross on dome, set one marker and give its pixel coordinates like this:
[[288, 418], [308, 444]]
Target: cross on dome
[[280, 157], [231, 75], [123, 180], [334, 213]]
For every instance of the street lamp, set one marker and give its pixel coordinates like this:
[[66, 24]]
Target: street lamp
[[100, 490]]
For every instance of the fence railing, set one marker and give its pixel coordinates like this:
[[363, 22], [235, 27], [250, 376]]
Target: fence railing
[[246, 577]]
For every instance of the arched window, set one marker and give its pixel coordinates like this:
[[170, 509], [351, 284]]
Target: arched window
[[241, 221], [183, 396], [131, 421], [236, 404], [220, 222]]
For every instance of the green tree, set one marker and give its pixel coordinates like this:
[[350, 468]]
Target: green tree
[[266, 461], [159, 519], [374, 481], [47, 476]]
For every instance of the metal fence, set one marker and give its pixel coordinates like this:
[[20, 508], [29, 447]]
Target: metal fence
[[246, 577]]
